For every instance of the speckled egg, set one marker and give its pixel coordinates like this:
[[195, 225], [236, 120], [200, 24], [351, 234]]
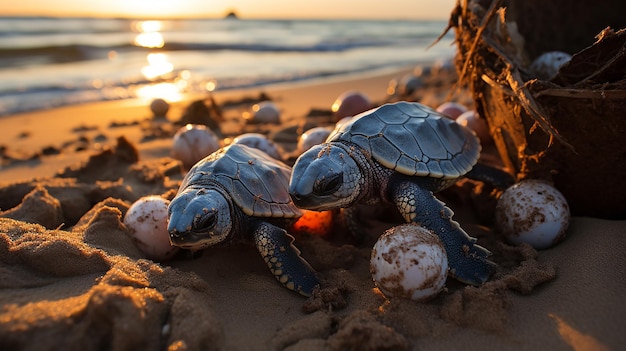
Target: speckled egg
[[146, 219], [159, 107], [259, 142], [451, 109], [349, 104], [194, 142], [264, 112], [547, 65], [533, 212], [312, 137], [409, 261], [472, 120]]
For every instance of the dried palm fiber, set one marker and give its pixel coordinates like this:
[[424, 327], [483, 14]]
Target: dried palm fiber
[[570, 130]]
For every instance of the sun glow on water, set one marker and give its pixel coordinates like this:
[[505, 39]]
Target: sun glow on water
[[166, 91], [158, 65]]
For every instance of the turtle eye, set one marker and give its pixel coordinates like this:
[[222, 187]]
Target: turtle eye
[[204, 223], [329, 185]]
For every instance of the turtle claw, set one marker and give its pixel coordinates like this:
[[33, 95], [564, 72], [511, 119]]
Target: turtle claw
[[284, 260], [472, 269]]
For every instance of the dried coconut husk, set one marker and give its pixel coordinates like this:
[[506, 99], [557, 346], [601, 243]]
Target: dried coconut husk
[[570, 130]]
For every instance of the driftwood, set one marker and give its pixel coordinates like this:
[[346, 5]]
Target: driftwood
[[570, 130]]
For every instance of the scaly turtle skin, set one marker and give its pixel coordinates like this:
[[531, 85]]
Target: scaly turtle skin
[[399, 153], [235, 194]]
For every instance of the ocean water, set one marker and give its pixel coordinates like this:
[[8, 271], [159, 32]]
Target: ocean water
[[49, 62]]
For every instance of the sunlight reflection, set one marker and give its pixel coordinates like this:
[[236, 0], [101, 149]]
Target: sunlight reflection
[[149, 36], [149, 26], [167, 91], [158, 65], [575, 338], [150, 40]]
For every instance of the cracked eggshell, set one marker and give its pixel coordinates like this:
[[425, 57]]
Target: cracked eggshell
[[409, 261], [194, 142], [146, 219], [533, 212]]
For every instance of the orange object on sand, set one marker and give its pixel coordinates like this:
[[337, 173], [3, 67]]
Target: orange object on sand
[[314, 222]]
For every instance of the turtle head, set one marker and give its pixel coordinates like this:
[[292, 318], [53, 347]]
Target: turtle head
[[199, 218], [325, 177]]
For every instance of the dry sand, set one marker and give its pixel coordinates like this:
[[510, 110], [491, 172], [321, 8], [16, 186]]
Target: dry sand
[[71, 278]]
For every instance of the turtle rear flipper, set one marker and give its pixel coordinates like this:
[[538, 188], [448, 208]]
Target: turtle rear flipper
[[283, 259], [498, 178], [467, 261]]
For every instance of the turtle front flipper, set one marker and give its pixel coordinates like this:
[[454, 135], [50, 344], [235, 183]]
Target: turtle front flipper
[[283, 259], [467, 261]]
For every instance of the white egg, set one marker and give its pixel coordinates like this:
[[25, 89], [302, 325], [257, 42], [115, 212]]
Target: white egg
[[146, 219], [409, 261], [312, 137], [159, 107], [533, 212], [260, 142], [547, 65], [451, 109], [194, 142], [350, 103], [264, 112]]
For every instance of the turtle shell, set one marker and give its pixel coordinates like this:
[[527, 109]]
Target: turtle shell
[[257, 183], [413, 139]]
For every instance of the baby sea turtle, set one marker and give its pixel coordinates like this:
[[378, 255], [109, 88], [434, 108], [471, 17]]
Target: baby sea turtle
[[239, 193], [399, 153]]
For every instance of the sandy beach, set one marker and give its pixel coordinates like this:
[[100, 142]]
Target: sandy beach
[[72, 278]]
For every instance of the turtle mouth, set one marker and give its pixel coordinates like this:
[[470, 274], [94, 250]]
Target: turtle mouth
[[193, 241], [315, 202]]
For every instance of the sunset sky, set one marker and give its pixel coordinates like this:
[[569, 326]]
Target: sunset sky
[[389, 9]]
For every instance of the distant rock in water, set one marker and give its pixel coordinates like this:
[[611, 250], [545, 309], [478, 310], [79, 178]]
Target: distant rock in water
[[231, 15]]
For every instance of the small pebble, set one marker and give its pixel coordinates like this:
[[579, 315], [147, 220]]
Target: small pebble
[[409, 84], [409, 261], [159, 107], [533, 212], [147, 221], [194, 142]]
